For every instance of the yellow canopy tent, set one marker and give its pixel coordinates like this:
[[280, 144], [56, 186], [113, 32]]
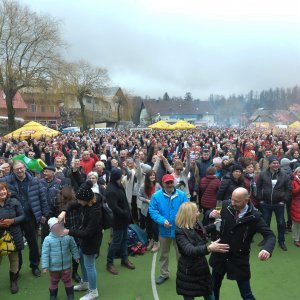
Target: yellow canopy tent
[[33, 129], [295, 125], [162, 125], [182, 125]]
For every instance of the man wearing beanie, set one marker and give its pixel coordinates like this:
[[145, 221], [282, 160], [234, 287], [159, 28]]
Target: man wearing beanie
[[117, 201], [274, 191]]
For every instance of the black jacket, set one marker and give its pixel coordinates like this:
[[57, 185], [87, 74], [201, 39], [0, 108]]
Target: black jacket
[[117, 201], [193, 275], [12, 209], [239, 234], [90, 230], [228, 185], [282, 192]]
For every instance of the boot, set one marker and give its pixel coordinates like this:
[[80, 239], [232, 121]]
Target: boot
[[14, 282], [150, 245], [53, 294], [70, 293]]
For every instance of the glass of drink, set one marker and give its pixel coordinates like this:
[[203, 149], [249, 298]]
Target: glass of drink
[[219, 206]]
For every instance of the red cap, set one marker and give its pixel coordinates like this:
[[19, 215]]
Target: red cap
[[167, 178]]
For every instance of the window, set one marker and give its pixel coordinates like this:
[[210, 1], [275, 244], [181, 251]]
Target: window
[[32, 107], [43, 108], [52, 108]]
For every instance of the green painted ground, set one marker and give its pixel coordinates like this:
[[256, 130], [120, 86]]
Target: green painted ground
[[276, 279]]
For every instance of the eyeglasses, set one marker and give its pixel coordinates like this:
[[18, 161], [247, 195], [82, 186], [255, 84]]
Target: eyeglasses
[[169, 182], [179, 169], [19, 169]]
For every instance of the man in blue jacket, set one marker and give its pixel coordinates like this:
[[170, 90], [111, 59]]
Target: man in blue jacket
[[163, 209], [32, 197]]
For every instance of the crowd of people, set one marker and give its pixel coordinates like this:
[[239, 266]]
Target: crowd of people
[[160, 180]]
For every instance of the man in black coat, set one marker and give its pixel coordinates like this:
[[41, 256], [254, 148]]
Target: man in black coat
[[240, 222], [117, 201], [274, 191]]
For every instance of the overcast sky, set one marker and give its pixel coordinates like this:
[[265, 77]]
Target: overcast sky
[[197, 46]]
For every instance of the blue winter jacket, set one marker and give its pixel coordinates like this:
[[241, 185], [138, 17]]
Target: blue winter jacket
[[165, 207], [36, 194], [57, 252]]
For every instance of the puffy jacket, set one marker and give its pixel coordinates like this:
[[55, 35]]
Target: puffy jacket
[[165, 207], [12, 209], [282, 191], [51, 190], [56, 252], [36, 194], [228, 185], [209, 186], [295, 207]]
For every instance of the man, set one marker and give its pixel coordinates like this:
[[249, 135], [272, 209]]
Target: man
[[51, 187], [240, 222], [103, 175], [88, 161], [163, 209], [264, 161], [5, 169], [274, 190], [117, 201], [204, 163], [32, 196]]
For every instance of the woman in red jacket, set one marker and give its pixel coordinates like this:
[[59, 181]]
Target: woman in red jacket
[[209, 186], [295, 207]]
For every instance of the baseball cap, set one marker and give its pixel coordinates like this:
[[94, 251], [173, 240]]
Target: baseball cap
[[167, 178]]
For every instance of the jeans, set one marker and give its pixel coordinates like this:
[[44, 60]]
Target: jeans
[[208, 297], [151, 228], [118, 245], [88, 269], [244, 286], [29, 229], [267, 210]]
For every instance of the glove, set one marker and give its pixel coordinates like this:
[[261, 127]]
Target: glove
[[218, 224]]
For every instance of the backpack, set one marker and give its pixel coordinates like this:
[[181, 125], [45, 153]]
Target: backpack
[[137, 240]]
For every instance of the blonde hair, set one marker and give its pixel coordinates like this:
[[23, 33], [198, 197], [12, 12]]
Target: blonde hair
[[187, 215], [178, 163]]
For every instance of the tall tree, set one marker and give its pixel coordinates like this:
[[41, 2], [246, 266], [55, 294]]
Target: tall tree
[[166, 97], [188, 96], [83, 80], [29, 51]]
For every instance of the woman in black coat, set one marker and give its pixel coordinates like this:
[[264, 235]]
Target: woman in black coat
[[193, 274], [11, 215], [89, 235]]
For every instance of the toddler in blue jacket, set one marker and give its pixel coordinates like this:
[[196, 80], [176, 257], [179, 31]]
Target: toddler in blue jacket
[[57, 252]]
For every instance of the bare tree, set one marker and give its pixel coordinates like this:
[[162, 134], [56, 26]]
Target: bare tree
[[29, 45], [83, 80]]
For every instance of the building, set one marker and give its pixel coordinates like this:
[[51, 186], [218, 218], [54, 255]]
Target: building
[[194, 111], [19, 105]]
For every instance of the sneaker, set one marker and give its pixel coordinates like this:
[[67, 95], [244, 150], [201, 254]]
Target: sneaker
[[91, 295], [283, 246], [161, 280], [150, 245], [155, 247], [82, 286]]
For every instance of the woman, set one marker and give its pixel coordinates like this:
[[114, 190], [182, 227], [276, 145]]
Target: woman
[[89, 235], [295, 207], [193, 274], [194, 180], [209, 186], [11, 215], [146, 191]]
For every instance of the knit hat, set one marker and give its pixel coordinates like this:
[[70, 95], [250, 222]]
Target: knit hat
[[85, 192], [285, 162], [225, 157], [52, 221], [273, 158], [236, 168], [116, 174]]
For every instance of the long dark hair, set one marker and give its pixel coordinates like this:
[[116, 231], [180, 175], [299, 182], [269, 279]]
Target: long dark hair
[[65, 196], [149, 183]]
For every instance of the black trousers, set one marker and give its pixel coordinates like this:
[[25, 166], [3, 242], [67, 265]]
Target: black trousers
[[29, 229]]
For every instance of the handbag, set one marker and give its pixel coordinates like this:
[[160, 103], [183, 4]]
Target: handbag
[[7, 244]]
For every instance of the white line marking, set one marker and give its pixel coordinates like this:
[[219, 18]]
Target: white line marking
[[153, 284]]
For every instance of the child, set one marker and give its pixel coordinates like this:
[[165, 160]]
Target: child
[[56, 257]]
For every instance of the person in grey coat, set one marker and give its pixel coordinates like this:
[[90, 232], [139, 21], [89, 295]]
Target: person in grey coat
[[11, 215]]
